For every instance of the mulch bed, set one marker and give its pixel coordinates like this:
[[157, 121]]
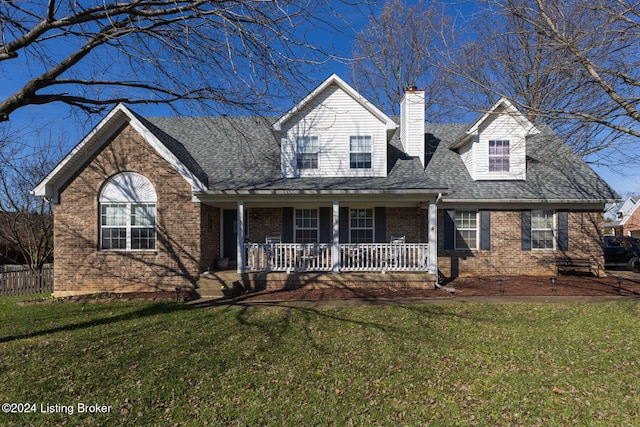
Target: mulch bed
[[466, 286], [462, 286]]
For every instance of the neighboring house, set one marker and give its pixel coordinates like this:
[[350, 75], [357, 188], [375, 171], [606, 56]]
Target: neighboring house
[[333, 186], [623, 218]]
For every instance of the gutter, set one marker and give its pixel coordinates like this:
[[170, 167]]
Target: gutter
[[528, 201]]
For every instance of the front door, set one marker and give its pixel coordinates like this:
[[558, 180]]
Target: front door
[[229, 234]]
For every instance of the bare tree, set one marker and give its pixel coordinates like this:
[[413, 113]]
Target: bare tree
[[26, 221], [91, 55], [571, 64], [396, 51]]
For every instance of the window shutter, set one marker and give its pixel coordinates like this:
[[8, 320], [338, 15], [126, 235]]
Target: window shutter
[[287, 225], [563, 230], [449, 228], [326, 225], [344, 225], [485, 230], [380, 230], [525, 227]]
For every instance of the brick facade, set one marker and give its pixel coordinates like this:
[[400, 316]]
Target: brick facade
[[209, 236], [408, 222], [188, 233], [263, 222], [506, 256]]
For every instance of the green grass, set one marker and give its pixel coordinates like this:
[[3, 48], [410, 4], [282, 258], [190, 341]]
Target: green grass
[[168, 364]]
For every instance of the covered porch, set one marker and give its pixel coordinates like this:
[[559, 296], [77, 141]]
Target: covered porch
[[346, 236], [328, 232]]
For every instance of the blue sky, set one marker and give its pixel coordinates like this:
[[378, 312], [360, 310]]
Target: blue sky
[[75, 126]]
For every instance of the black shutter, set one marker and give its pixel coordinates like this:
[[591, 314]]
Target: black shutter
[[449, 228], [380, 231], [563, 230], [287, 225], [525, 230], [344, 225], [326, 225], [485, 230]]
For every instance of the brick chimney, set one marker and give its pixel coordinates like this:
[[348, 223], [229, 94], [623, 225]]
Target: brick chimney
[[412, 122]]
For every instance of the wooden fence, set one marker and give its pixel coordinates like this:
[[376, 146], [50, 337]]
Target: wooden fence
[[22, 282]]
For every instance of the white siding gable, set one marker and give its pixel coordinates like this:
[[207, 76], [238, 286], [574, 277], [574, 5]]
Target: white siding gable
[[501, 126], [466, 153], [333, 116], [505, 126]]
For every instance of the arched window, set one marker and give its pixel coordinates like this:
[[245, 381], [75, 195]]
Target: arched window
[[128, 213]]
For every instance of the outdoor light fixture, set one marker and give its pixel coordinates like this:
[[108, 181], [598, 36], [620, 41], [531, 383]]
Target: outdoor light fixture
[[553, 283], [500, 286], [178, 289], [619, 279]]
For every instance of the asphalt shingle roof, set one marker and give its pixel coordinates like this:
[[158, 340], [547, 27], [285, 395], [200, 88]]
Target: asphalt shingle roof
[[554, 171], [243, 154]]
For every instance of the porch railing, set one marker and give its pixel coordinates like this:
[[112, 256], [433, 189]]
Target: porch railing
[[288, 256], [384, 256], [353, 256]]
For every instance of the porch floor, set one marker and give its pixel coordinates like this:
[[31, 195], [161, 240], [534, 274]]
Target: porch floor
[[211, 284]]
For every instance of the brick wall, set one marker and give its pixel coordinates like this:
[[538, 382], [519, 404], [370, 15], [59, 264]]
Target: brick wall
[[408, 222], [506, 256], [209, 236], [81, 268], [263, 222]]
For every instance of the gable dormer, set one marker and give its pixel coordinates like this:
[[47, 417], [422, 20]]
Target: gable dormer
[[495, 145], [334, 132]]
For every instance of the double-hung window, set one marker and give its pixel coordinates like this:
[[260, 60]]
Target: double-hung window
[[466, 229], [542, 229], [499, 155], [361, 225], [360, 152], [128, 214], [307, 148], [306, 226]]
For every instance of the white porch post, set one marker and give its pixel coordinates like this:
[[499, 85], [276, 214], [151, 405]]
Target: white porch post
[[240, 235], [433, 238], [335, 246]]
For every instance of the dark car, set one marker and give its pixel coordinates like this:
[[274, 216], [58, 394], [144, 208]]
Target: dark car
[[622, 252]]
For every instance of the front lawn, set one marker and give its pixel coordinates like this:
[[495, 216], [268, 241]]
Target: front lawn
[[455, 364]]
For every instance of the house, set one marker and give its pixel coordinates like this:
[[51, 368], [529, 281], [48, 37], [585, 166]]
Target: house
[[623, 218], [334, 187]]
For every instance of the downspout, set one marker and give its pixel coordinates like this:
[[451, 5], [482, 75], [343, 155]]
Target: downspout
[[437, 284], [436, 260]]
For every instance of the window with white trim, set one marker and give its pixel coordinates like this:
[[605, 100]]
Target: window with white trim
[[128, 214], [361, 225], [306, 226], [543, 229], [307, 148], [360, 152], [499, 155], [466, 229]]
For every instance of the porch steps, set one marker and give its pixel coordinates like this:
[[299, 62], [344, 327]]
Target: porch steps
[[222, 283]]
